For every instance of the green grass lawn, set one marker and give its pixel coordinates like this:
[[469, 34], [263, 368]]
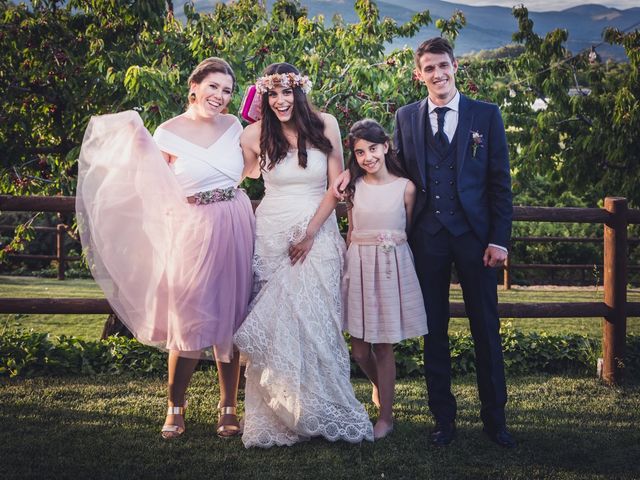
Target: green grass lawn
[[108, 427], [90, 326]]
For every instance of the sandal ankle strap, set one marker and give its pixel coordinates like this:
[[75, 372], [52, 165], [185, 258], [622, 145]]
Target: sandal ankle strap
[[227, 410], [175, 410]]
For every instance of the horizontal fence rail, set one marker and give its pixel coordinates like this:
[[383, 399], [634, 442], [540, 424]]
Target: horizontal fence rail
[[613, 310], [11, 203], [567, 239], [64, 204], [506, 310]]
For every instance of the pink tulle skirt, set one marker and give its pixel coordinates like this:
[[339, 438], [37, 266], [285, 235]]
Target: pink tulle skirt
[[178, 275]]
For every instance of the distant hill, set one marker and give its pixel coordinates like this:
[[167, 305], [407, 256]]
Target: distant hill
[[487, 27]]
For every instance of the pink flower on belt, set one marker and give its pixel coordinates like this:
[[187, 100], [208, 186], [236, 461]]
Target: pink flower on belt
[[386, 242]]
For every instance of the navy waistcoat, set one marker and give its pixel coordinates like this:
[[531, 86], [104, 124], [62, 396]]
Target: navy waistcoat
[[443, 209]]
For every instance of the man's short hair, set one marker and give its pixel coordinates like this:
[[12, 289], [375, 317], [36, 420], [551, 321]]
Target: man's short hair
[[434, 45]]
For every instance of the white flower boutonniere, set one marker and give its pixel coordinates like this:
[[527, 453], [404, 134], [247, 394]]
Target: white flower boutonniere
[[476, 141]]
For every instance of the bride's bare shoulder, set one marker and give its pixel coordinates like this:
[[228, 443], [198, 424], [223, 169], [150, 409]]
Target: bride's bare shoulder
[[251, 133]]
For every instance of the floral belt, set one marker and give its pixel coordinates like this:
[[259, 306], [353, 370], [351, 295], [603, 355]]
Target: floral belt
[[387, 240], [213, 196]]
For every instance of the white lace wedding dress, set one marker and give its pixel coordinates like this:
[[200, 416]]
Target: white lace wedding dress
[[297, 373]]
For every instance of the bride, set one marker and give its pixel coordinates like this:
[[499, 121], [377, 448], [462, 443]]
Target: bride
[[297, 384]]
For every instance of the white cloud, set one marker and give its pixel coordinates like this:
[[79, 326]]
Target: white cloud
[[549, 5]]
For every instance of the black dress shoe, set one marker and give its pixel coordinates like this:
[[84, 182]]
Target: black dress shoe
[[501, 436], [443, 433]]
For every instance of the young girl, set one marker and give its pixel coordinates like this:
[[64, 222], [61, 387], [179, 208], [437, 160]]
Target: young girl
[[384, 303]]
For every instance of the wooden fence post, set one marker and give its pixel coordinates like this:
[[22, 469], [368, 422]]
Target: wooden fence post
[[614, 326], [61, 229], [507, 273]]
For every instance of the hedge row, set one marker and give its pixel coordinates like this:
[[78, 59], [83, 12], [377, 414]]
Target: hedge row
[[27, 354]]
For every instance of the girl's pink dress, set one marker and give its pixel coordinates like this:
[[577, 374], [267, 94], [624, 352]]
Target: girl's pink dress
[[177, 274], [383, 297]]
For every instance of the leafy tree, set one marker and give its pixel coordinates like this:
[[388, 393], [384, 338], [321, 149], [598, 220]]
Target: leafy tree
[[65, 61], [70, 60], [587, 136], [55, 76]]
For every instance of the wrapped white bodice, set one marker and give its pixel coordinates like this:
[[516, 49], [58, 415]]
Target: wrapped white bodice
[[199, 169]]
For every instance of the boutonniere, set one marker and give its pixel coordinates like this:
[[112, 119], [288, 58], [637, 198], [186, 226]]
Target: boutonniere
[[476, 141]]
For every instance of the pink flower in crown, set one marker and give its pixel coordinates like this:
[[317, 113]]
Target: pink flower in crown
[[476, 141], [286, 80]]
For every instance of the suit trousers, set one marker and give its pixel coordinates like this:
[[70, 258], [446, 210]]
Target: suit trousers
[[434, 254]]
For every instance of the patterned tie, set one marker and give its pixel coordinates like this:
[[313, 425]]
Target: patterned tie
[[440, 137]]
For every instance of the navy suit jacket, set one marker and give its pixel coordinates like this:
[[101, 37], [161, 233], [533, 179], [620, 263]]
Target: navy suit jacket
[[483, 182]]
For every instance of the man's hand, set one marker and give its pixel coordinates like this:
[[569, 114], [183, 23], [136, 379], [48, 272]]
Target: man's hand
[[494, 257], [340, 183]]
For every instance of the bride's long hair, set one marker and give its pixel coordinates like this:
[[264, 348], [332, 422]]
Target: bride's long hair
[[274, 146]]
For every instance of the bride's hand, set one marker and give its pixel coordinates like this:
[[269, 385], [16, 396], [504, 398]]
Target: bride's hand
[[299, 251]]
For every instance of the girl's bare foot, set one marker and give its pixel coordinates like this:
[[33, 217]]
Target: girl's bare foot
[[375, 395], [382, 428]]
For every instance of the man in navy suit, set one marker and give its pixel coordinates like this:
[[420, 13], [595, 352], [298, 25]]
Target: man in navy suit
[[455, 151]]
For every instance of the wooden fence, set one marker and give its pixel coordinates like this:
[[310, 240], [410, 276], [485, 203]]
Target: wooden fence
[[61, 230], [509, 267], [615, 216]]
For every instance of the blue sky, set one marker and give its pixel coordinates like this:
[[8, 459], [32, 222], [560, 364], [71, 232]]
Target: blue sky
[[548, 5]]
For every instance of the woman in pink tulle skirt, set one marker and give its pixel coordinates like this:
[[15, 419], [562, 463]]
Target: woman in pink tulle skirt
[[169, 236]]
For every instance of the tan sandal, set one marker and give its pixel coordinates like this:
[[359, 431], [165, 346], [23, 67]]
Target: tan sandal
[[225, 430], [173, 431]]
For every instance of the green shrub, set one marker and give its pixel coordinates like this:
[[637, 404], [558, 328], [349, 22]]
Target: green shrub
[[28, 354]]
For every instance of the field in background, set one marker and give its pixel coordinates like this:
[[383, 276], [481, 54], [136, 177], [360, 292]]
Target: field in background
[[89, 327]]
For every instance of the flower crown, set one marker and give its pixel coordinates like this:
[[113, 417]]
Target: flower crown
[[285, 80]]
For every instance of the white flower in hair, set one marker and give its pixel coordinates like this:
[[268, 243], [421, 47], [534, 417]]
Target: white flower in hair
[[285, 80]]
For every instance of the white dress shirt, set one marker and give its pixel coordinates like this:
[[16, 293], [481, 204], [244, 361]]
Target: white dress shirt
[[450, 118]]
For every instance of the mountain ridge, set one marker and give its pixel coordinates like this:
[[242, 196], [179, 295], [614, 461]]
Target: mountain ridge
[[488, 27]]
